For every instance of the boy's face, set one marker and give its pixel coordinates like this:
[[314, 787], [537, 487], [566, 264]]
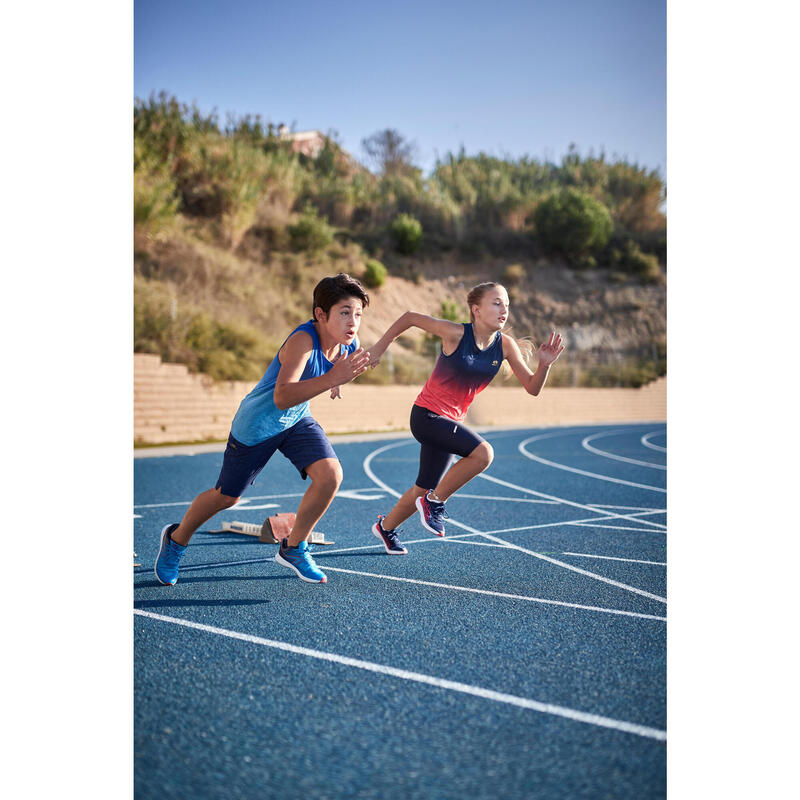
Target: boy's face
[[344, 319]]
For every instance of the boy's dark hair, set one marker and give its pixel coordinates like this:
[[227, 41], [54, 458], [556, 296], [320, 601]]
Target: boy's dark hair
[[330, 291]]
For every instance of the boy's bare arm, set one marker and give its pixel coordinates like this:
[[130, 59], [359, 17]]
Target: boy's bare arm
[[291, 391]]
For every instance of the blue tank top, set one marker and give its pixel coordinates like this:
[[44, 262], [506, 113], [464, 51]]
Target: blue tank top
[[258, 418], [457, 378]]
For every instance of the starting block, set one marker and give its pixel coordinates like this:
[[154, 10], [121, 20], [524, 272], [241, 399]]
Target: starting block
[[273, 529]]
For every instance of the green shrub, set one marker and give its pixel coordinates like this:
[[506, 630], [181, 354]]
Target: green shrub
[[155, 197], [573, 223], [628, 256], [374, 274], [311, 233], [406, 233], [513, 273], [583, 262]]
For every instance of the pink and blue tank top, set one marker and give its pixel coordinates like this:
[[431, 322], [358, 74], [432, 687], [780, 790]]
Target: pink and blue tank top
[[457, 378]]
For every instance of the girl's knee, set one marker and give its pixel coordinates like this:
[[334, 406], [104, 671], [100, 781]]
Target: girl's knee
[[484, 454]]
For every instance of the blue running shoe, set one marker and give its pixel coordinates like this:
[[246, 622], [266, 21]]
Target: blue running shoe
[[300, 560], [169, 557], [431, 514], [389, 538]]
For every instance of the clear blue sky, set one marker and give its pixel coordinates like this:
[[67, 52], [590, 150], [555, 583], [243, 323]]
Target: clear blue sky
[[507, 77]]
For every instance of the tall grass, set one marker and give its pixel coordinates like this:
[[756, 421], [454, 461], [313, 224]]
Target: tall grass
[[241, 191]]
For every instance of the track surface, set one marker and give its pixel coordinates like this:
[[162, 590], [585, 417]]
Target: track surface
[[524, 655]]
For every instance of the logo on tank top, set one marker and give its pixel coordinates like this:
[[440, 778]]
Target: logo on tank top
[[494, 363], [470, 359]]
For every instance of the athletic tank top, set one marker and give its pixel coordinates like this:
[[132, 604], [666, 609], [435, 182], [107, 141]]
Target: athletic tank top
[[258, 418], [457, 378]]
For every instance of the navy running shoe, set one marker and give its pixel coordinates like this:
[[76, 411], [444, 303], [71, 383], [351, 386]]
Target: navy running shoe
[[300, 560], [431, 514], [169, 557], [389, 538]]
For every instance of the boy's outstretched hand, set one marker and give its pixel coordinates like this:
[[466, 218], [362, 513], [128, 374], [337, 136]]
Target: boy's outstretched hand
[[551, 349], [349, 367]]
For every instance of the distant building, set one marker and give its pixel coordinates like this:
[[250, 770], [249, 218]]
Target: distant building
[[309, 143]]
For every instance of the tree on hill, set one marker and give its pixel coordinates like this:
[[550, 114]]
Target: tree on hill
[[389, 151]]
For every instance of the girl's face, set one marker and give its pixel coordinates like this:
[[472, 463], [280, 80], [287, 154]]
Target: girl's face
[[344, 319], [492, 310]]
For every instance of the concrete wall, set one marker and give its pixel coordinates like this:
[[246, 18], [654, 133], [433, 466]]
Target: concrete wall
[[172, 405]]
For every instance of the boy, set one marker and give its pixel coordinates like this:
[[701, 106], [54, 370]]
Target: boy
[[318, 356]]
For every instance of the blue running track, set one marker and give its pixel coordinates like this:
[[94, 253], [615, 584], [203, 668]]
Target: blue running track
[[522, 656]]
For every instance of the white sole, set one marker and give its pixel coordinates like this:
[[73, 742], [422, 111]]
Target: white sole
[[284, 563], [160, 550], [418, 504], [376, 533]]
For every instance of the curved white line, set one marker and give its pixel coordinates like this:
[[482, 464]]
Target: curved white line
[[368, 469], [645, 441], [430, 680], [597, 451], [546, 462]]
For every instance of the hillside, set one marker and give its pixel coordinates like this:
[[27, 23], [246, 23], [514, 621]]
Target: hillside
[[234, 226], [607, 325]]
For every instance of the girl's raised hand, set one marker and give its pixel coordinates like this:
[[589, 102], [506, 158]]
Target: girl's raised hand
[[551, 349]]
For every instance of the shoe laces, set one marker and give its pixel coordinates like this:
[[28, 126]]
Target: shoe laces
[[171, 554], [390, 535], [305, 556], [438, 511]]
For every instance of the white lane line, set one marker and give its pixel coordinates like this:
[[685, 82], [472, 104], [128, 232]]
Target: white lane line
[[565, 565], [614, 558], [430, 680], [368, 470], [578, 523], [597, 451], [497, 594], [589, 522], [611, 527], [645, 440], [347, 493], [629, 517], [503, 499], [461, 540], [626, 508], [547, 462]]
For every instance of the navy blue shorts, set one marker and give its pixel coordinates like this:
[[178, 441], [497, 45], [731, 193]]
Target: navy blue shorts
[[303, 444], [441, 438]]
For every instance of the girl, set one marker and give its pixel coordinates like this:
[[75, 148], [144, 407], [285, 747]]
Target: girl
[[472, 353]]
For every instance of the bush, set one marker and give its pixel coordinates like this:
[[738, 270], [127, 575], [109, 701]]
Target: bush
[[407, 234], [375, 274], [645, 265], [310, 233], [155, 198], [583, 262], [573, 223], [513, 273]]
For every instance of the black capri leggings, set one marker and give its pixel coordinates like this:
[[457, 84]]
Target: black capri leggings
[[441, 438]]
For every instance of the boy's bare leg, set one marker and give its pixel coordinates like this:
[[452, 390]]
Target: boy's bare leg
[[326, 477], [404, 508], [203, 507], [464, 471]]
